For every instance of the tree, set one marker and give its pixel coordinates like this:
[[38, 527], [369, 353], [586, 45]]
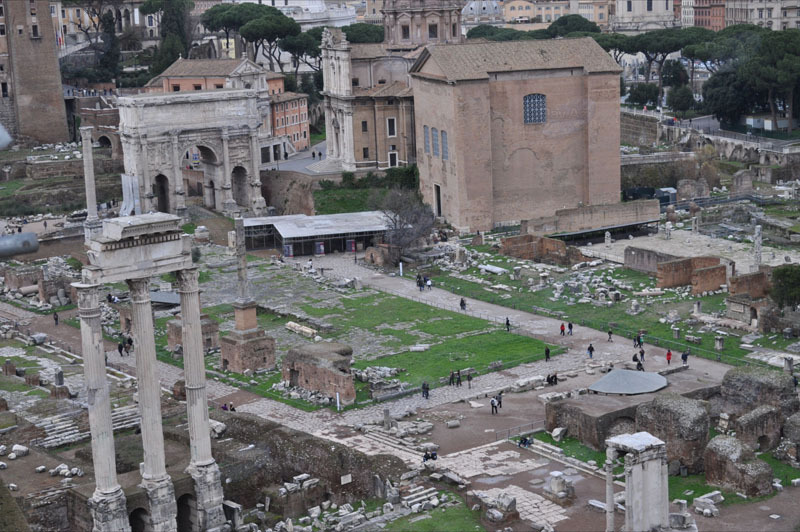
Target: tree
[[363, 33], [786, 285], [614, 43], [571, 24], [174, 28], [674, 74], [267, 31], [643, 93], [221, 17], [728, 96], [656, 46], [93, 10], [680, 99], [408, 219], [303, 48], [109, 61]]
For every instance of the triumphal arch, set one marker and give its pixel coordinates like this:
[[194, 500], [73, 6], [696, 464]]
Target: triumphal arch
[[224, 126]]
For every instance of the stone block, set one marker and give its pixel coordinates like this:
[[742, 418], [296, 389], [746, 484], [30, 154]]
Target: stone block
[[731, 465], [559, 433], [453, 424]]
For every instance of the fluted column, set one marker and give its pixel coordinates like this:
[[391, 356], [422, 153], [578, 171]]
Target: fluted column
[[88, 172], [155, 479], [228, 203], [256, 202], [202, 467], [180, 200], [145, 187], [609, 467], [107, 504]]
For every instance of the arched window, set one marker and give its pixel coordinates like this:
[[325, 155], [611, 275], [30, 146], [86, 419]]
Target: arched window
[[427, 135], [445, 152], [435, 134], [534, 108]]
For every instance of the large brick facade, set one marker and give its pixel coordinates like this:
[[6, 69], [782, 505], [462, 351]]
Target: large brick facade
[[516, 130], [32, 107], [703, 274], [541, 249]]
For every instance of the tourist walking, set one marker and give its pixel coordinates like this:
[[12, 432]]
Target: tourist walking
[[452, 378], [458, 378], [609, 336], [463, 305], [429, 283], [590, 350], [313, 154], [641, 354], [546, 354], [562, 330], [508, 325], [669, 356], [499, 398], [425, 390], [55, 318], [493, 402], [120, 347], [639, 366], [570, 329], [469, 380], [685, 357], [224, 407]]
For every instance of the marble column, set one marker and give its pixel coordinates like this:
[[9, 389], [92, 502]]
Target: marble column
[[155, 480], [228, 203], [256, 200], [88, 172], [145, 187], [177, 176], [107, 504], [202, 467], [609, 467]]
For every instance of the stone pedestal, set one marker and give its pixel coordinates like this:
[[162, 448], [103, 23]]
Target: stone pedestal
[[155, 480], [107, 504]]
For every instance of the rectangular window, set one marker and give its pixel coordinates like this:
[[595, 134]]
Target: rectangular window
[[392, 159], [405, 31], [149, 20], [64, 30], [453, 30], [304, 134], [2, 11], [364, 128], [391, 130], [435, 139], [198, 87], [2, 29], [427, 135], [217, 85], [52, 11], [445, 151], [437, 193], [365, 153], [77, 13], [649, 5], [176, 88], [63, 13], [4, 88], [35, 31]]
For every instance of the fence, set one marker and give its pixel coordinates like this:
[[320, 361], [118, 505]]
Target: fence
[[507, 434]]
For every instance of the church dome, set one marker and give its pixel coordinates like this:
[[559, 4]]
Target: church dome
[[478, 8]]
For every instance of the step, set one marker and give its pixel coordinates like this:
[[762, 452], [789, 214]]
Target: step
[[420, 496]]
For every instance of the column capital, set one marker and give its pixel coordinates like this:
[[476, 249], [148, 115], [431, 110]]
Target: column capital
[[188, 280], [88, 298], [86, 132], [140, 289]]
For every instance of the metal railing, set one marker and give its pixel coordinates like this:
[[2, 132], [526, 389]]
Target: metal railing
[[507, 434]]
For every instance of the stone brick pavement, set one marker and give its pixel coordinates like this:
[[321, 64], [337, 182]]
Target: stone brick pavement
[[532, 507]]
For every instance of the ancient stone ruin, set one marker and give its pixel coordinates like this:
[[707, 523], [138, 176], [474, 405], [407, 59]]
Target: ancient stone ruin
[[322, 367]]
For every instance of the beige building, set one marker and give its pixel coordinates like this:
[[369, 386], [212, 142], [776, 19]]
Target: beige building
[[597, 11], [509, 131], [773, 14], [638, 16]]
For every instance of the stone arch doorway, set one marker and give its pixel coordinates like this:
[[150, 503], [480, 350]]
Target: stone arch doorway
[[187, 513], [104, 141], [239, 186], [210, 197], [201, 167], [161, 192], [139, 520]]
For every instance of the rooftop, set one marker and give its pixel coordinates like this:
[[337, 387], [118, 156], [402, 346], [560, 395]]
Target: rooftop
[[301, 226], [287, 96], [628, 382], [201, 68], [476, 60]]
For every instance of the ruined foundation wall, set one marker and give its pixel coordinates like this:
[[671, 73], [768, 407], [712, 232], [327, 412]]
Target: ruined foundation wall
[[680, 272], [541, 249], [638, 130], [593, 217], [645, 260], [756, 284], [708, 279]]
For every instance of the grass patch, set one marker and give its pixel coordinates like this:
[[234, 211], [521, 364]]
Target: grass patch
[[679, 485], [189, 228], [573, 447], [74, 263], [342, 200], [456, 518], [316, 138], [780, 470], [13, 384], [459, 353]]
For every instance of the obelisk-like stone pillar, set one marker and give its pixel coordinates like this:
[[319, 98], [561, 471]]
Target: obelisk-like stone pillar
[[92, 225], [107, 504], [155, 480], [202, 467]]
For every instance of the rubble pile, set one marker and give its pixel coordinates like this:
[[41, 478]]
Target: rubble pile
[[295, 392]]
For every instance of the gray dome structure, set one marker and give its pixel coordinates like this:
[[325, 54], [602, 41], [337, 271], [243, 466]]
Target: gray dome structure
[[628, 382]]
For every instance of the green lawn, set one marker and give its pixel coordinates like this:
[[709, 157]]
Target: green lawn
[[337, 201], [459, 353], [574, 448], [457, 518], [189, 228], [316, 138]]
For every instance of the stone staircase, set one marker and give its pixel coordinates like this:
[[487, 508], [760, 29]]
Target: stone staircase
[[394, 446], [64, 429], [418, 495], [326, 166]]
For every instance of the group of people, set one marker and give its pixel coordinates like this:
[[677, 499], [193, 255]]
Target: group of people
[[496, 402], [430, 455], [455, 379], [424, 282], [566, 331], [125, 345], [552, 380], [229, 407]]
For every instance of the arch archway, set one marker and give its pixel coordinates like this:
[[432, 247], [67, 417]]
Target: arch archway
[[239, 186], [161, 192], [104, 141], [187, 513], [210, 196], [139, 520], [126, 17], [200, 166]]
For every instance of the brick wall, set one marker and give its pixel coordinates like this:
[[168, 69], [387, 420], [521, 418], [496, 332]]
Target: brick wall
[[755, 284], [645, 260], [594, 217], [680, 272], [707, 279], [638, 130], [541, 249]]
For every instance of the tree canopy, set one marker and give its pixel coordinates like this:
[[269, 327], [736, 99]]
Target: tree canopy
[[363, 33], [266, 31], [786, 285], [571, 24], [174, 28]]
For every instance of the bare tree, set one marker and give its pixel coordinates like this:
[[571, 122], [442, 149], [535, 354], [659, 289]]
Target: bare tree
[[408, 219], [93, 11]]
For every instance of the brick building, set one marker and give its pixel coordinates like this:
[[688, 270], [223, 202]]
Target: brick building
[[31, 99], [290, 117], [69, 21], [509, 131], [709, 14]]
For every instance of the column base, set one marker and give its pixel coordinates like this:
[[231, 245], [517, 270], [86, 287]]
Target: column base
[[91, 229], [163, 508], [109, 512], [230, 207], [209, 496]]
